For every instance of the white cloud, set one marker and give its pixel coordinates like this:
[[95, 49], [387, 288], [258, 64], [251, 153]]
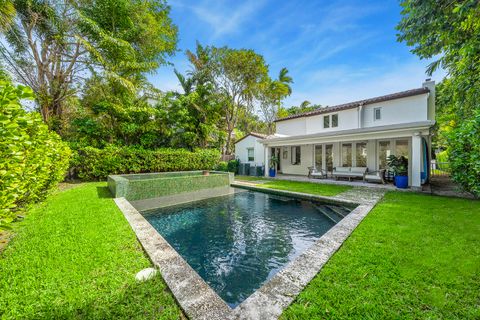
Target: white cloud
[[341, 84], [224, 18]]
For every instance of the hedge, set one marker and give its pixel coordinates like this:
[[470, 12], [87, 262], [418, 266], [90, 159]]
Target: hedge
[[32, 158], [93, 164], [464, 154]]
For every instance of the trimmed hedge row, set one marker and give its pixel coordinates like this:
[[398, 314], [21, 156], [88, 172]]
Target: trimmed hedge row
[[93, 164], [32, 158]]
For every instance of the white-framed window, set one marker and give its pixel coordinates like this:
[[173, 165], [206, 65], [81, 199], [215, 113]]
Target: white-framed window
[[326, 121], [330, 121], [250, 154], [334, 120], [377, 114], [296, 155]]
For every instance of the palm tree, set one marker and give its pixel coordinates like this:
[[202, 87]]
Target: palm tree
[[305, 104], [7, 14], [285, 79]]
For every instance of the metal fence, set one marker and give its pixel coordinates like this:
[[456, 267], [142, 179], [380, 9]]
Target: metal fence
[[439, 168]]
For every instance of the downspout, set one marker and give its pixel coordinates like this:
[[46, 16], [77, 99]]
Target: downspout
[[360, 116]]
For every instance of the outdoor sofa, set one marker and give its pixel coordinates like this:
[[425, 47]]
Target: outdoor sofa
[[349, 172]]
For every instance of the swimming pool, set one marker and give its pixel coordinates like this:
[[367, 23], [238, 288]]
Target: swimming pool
[[238, 242]]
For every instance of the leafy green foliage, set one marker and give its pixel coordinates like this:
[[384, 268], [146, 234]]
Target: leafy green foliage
[[450, 30], [32, 158], [51, 44], [232, 165], [91, 163], [236, 76], [399, 165], [464, 154], [75, 257], [228, 166]]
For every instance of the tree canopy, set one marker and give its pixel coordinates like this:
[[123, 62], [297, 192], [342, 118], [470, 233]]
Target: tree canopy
[[53, 46], [449, 31]]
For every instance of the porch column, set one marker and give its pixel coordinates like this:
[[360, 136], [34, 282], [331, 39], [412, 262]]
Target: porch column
[[416, 160], [267, 159]]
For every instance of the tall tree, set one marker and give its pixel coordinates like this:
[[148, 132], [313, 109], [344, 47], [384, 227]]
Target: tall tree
[[54, 45], [270, 96], [449, 31], [236, 75]]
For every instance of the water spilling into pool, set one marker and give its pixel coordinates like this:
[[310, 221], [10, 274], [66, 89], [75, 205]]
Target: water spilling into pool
[[238, 242]]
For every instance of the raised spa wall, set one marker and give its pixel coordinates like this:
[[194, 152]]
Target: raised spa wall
[[134, 187]]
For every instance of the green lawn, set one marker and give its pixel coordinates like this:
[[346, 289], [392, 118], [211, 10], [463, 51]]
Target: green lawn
[[250, 178], [321, 189], [75, 256], [413, 257]]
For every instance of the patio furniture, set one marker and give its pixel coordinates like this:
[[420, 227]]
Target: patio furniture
[[349, 172], [375, 176], [317, 173]]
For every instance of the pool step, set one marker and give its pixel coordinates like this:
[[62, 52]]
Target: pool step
[[329, 213], [339, 210]]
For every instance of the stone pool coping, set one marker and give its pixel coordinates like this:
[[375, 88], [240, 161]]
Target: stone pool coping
[[197, 298]]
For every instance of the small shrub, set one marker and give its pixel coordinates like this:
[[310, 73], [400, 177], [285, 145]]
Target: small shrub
[[233, 166], [464, 154], [32, 158], [93, 164], [222, 166]]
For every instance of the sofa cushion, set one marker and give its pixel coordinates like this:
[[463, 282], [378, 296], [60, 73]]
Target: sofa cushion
[[342, 169], [359, 169]]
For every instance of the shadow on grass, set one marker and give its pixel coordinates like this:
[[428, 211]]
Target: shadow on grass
[[104, 192], [149, 300]]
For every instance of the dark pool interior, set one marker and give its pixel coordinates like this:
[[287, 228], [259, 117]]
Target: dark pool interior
[[238, 242]]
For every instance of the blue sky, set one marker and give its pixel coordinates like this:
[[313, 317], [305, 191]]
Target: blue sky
[[336, 51]]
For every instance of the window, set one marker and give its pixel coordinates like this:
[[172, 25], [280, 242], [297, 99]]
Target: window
[[285, 153], [361, 154], [318, 156], [377, 114], [384, 152], [334, 120], [346, 155], [295, 155], [326, 121], [401, 148], [250, 154]]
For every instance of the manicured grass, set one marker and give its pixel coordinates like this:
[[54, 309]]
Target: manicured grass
[[75, 256], [250, 178], [307, 187], [413, 257]]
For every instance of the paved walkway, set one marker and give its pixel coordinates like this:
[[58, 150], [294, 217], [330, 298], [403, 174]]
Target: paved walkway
[[358, 194], [362, 195], [353, 183]]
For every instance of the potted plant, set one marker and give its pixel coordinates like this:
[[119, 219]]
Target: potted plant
[[273, 166], [399, 166]]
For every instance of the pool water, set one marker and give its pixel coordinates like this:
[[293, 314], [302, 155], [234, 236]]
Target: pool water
[[238, 242]]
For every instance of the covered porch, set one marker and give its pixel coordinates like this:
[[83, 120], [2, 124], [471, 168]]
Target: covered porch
[[366, 147]]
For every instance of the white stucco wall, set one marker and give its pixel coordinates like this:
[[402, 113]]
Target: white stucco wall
[[292, 127], [405, 110], [250, 142], [306, 160], [347, 119]]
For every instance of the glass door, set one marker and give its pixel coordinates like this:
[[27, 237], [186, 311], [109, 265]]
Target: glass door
[[329, 157], [318, 156]]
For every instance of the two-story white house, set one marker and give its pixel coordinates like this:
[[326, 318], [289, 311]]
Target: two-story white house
[[356, 134]]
